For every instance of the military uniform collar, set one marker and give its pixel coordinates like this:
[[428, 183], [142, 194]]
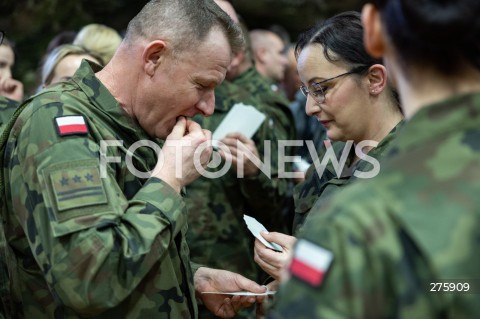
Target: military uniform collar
[[102, 98]]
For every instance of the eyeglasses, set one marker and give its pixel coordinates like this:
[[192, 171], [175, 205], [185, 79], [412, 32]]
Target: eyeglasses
[[318, 92], [2, 34]]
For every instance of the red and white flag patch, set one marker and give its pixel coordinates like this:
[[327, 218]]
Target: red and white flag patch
[[310, 262], [72, 124]]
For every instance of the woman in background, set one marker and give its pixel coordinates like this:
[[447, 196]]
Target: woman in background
[[9, 87], [63, 62], [100, 40]]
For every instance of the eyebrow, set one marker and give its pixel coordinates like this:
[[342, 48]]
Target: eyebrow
[[316, 80]]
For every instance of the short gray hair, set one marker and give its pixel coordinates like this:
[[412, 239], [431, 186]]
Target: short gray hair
[[184, 22]]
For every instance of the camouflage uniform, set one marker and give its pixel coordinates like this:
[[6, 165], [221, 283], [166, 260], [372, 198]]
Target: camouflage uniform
[[315, 191], [109, 247], [217, 234], [414, 224], [7, 108], [275, 103], [281, 122]]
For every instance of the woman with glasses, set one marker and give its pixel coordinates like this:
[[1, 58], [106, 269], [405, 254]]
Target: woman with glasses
[[348, 92], [406, 244]]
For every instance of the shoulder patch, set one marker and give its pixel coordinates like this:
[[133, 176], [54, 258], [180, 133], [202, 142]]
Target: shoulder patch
[[77, 187], [71, 125], [310, 262]]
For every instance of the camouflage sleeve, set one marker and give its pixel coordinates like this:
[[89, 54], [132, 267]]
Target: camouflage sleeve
[[355, 284], [7, 108], [93, 245]]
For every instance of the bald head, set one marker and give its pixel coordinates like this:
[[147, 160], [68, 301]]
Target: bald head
[[268, 53]]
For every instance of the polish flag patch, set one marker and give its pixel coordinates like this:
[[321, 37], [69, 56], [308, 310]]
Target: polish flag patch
[[70, 125], [310, 262]]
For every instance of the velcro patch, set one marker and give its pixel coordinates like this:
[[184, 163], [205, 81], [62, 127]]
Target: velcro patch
[[77, 187], [310, 262], [71, 125]]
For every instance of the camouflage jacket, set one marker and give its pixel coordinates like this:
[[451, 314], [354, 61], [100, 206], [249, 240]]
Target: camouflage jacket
[[391, 237], [217, 234], [275, 103], [281, 124], [315, 191], [7, 108], [88, 245]]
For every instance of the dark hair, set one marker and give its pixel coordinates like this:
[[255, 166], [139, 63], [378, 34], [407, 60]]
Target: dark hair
[[341, 37], [442, 33]]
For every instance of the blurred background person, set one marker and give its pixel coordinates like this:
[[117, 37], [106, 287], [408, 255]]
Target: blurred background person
[[7, 108], [9, 87], [243, 72], [99, 39], [62, 63], [268, 51]]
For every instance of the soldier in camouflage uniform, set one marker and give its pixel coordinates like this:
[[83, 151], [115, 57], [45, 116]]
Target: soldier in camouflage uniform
[[381, 245], [217, 234], [280, 122], [89, 236], [7, 108], [335, 108]]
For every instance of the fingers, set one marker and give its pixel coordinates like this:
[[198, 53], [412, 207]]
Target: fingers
[[207, 133], [228, 309], [193, 127], [247, 284], [179, 129], [283, 240], [238, 136]]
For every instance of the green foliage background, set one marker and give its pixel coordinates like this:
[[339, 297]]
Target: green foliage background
[[31, 24]]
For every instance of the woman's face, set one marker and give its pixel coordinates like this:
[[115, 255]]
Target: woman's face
[[67, 67], [344, 111], [7, 59]]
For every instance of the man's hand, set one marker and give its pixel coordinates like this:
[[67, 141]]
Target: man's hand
[[239, 145], [11, 89], [183, 150], [260, 308], [274, 262], [208, 280]]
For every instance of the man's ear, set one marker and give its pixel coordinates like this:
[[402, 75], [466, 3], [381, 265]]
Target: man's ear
[[377, 79], [153, 56], [373, 33], [261, 54]]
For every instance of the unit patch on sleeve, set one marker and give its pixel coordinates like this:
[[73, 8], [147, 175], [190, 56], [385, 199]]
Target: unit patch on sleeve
[[71, 125]]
